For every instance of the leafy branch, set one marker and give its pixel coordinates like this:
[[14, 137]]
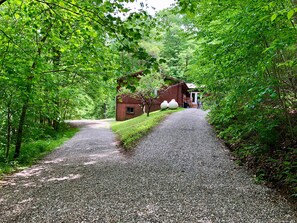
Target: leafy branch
[[2, 1], [11, 39], [100, 20]]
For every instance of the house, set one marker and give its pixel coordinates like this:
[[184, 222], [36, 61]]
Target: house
[[128, 107]]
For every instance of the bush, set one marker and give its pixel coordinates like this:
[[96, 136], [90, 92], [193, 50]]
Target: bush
[[34, 150]]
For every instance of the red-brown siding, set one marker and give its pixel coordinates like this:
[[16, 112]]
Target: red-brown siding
[[177, 92], [122, 111]]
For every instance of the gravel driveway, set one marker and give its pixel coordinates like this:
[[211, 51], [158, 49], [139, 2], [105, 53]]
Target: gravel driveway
[[178, 173]]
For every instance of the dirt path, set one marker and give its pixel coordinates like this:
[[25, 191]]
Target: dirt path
[[179, 173]]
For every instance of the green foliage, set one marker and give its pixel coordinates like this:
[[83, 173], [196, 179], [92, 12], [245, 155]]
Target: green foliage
[[131, 131], [280, 169], [245, 56], [60, 60], [144, 88], [148, 84], [168, 42], [34, 151]]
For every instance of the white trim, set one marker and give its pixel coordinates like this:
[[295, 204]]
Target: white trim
[[195, 97]]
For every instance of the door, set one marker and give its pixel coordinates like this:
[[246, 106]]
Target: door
[[194, 97]]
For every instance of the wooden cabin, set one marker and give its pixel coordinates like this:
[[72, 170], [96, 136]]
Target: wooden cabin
[[128, 107]]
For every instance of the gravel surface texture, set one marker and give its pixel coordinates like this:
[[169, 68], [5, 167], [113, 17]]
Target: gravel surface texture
[[178, 173]]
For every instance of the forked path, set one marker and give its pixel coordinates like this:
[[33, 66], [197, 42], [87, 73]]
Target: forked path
[[178, 173]]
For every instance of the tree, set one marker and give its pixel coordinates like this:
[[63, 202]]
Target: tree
[[56, 57], [146, 90], [245, 55], [168, 42]]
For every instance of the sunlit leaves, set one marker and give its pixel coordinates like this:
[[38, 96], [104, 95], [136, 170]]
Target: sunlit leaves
[[273, 17], [59, 57], [290, 14], [246, 56]]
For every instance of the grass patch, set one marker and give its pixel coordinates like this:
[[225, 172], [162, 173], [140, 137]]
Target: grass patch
[[31, 152], [132, 130]]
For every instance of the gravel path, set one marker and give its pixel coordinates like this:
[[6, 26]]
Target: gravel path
[[179, 173]]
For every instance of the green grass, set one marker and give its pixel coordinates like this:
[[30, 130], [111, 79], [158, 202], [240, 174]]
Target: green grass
[[31, 152], [131, 131]]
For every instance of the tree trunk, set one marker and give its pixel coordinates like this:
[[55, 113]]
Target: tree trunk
[[148, 109], [56, 125], [8, 137], [104, 110], [56, 63], [19, 136]]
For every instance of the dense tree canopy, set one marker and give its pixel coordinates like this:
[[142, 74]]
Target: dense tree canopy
[[60, 60], [246, 56]]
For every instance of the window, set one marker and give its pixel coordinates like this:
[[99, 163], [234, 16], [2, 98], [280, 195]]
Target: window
[[130, 110]]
